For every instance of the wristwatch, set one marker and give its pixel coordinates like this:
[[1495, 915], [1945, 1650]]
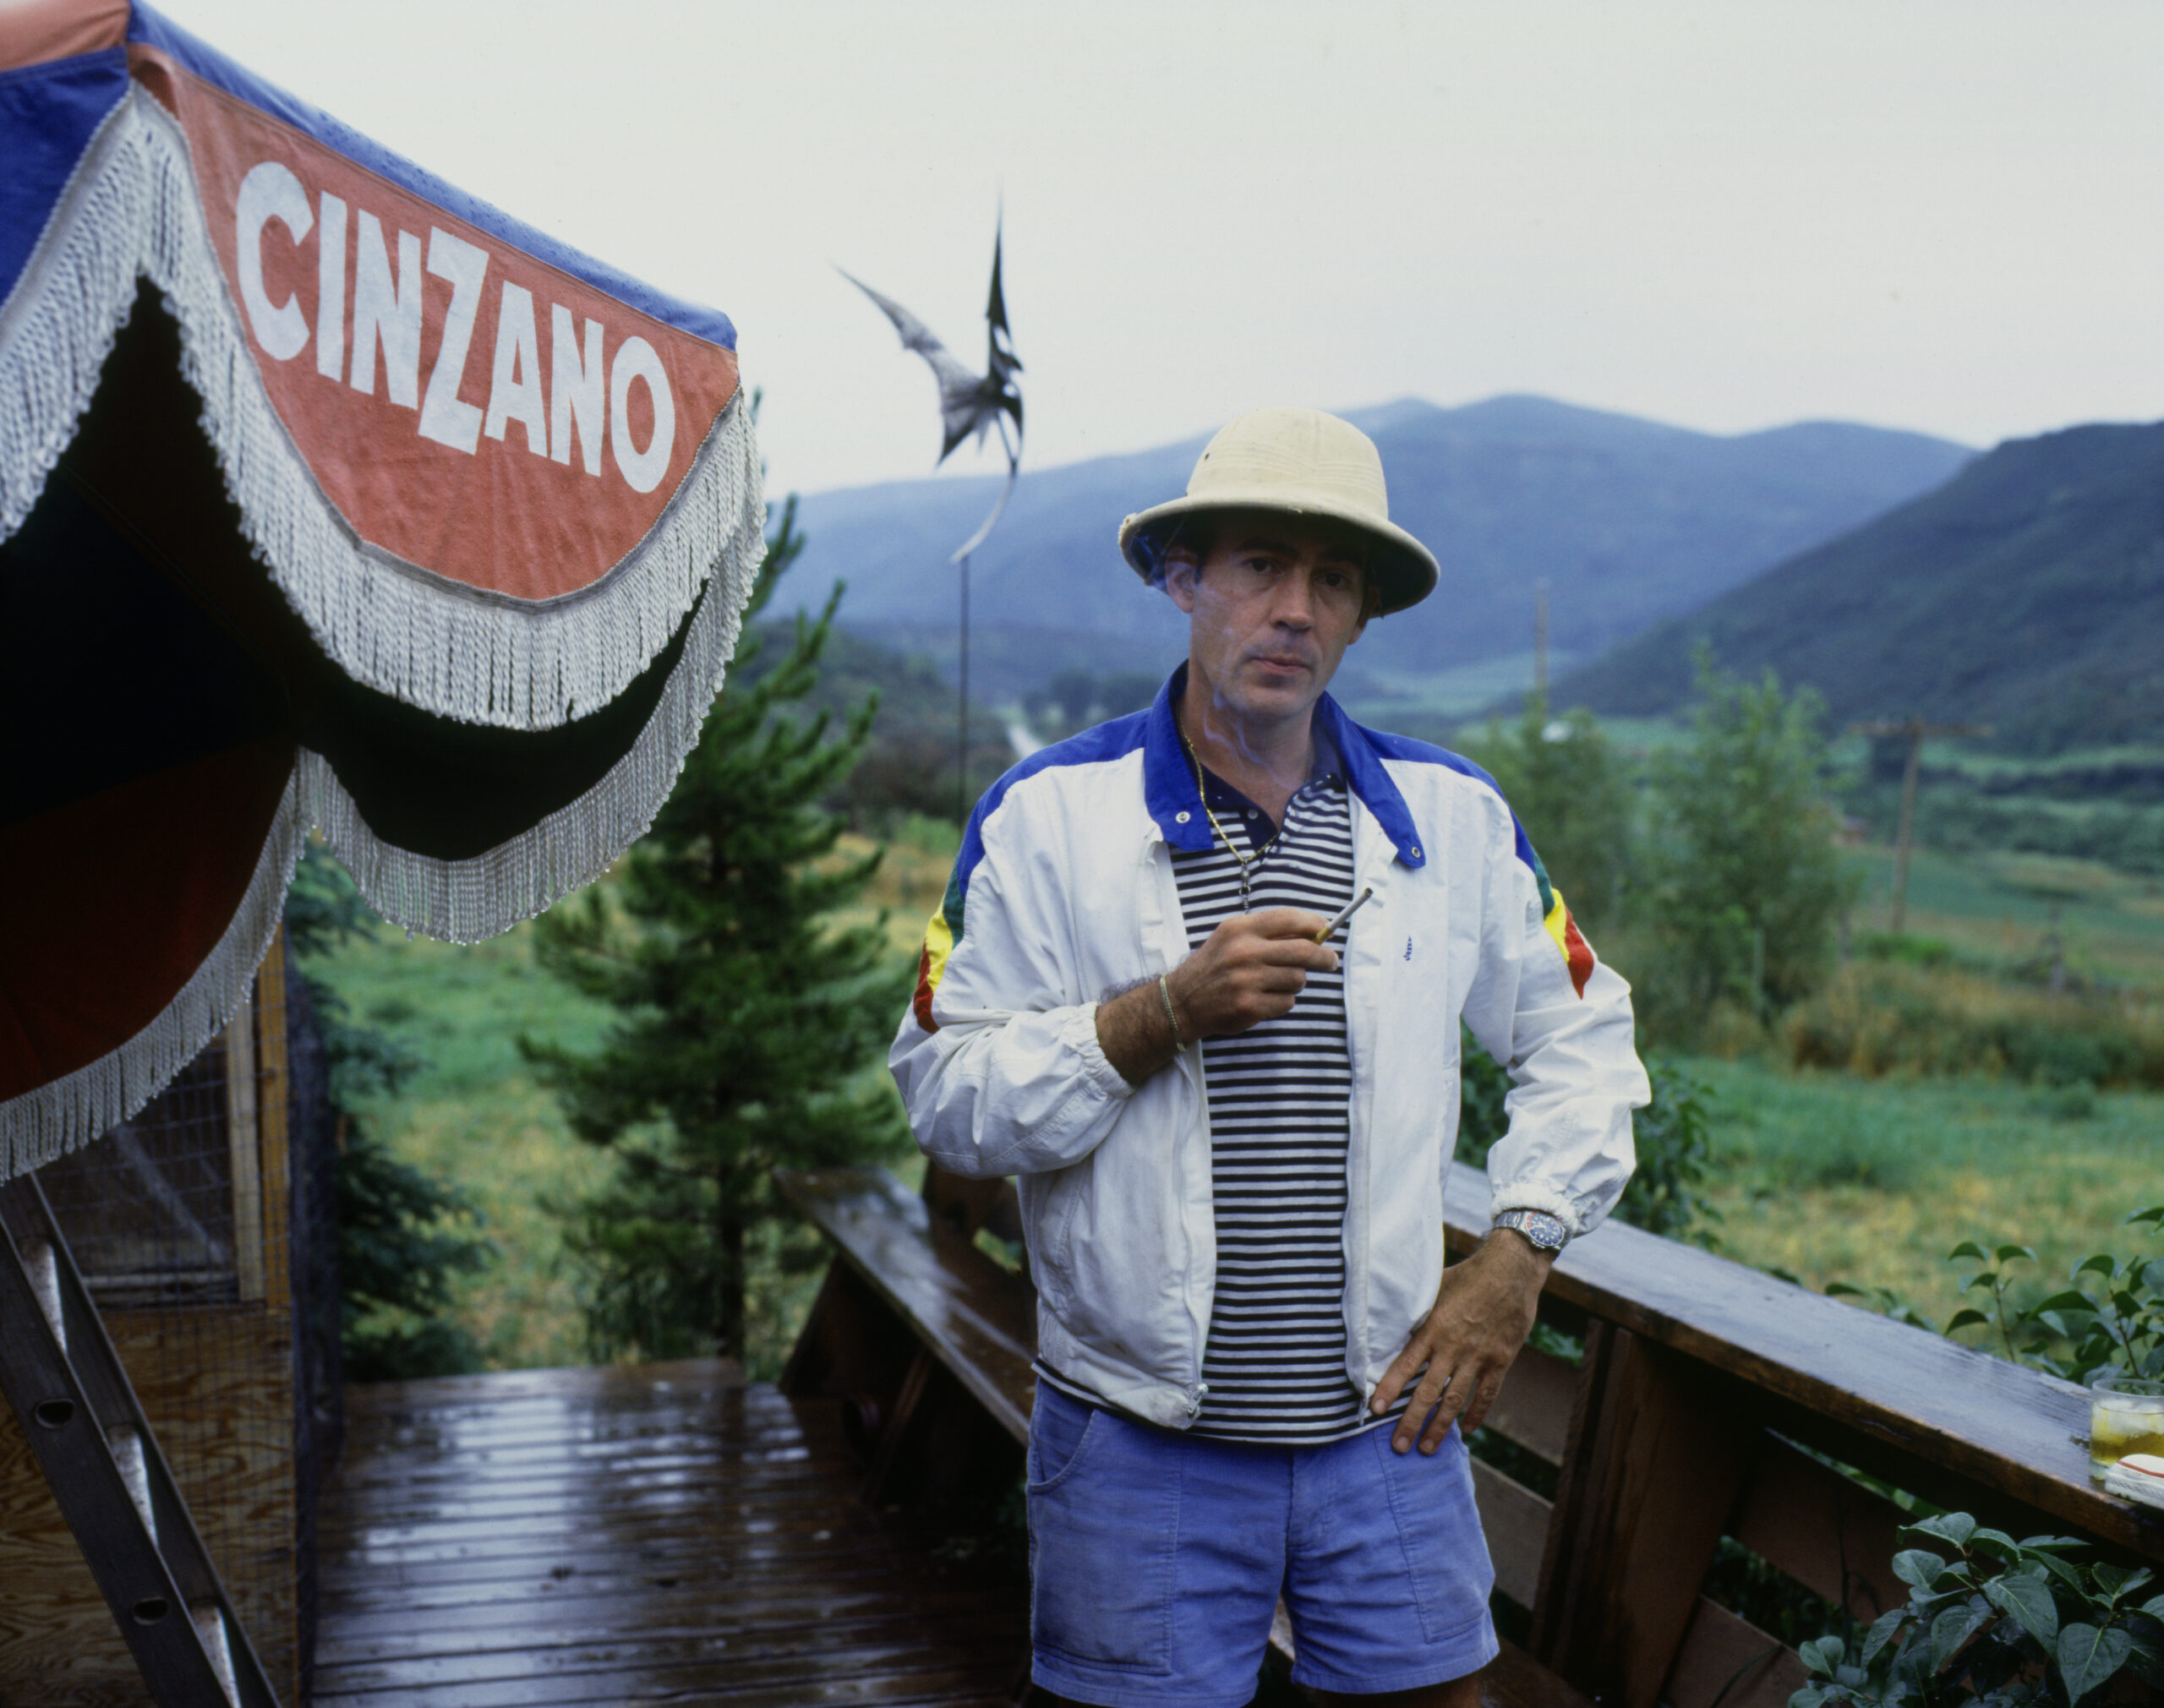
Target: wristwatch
[[1546, 1233]]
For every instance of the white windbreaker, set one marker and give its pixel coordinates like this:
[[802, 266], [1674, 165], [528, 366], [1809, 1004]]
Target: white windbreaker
[[1064, 894]]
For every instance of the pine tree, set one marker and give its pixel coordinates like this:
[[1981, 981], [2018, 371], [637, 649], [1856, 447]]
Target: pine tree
[[749, 1019], [404, 1235]]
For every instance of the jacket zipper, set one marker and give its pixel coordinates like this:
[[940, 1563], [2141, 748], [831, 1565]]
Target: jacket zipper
[[1358, 1220], [1171, 925]]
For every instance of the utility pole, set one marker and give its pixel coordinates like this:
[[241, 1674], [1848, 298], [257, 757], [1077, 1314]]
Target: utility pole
[[1540, 638], [1914, 728]]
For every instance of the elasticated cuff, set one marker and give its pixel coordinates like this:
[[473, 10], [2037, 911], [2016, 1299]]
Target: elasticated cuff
[[1080, 1033], [1531, 1195]]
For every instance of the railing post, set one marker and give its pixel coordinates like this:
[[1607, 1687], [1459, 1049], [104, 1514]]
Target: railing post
[[1659, 1449], [853, 1348]]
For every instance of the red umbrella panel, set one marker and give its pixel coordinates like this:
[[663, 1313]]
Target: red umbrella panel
[[329, 497]]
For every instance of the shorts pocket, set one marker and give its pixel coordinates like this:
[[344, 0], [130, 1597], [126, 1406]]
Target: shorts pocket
[[1104, 1521], [1438, 1527], [1060, 1426]]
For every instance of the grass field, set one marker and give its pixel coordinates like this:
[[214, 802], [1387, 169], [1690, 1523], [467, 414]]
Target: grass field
[[1823, 1174], [2002, 907], [1872, 1181]]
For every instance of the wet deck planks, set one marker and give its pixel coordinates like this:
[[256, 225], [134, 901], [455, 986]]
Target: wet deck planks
[[664, 1533]]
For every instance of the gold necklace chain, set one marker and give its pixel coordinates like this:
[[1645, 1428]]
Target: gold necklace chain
[[1202, 790]]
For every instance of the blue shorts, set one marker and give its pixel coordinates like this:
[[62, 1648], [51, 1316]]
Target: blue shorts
[[1156, 1559]]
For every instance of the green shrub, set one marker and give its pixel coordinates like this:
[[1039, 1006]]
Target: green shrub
[[2110, 1313], [2003, 1623], [1953, 817], [1892, 1016], [1573, 793], [1904, 949], [1671, 1132], [1743, 880]]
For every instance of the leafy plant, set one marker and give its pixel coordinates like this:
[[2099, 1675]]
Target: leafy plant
[[2110, 1315], [1999, 1310], [1672, 1134], [1998, 1622], [1674, 1156]]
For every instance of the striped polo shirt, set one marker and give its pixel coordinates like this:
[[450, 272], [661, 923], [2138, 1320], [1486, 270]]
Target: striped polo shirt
[[1279, 1098]]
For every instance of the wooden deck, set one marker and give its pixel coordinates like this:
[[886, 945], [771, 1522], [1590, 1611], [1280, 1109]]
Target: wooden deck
[[664, 1533]]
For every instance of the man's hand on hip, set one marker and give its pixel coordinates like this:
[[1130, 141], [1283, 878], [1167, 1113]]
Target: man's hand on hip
[[1253, 968], [1484, 1311]]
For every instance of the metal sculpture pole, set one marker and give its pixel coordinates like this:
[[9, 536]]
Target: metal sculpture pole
[[970, 405], [962, 716], [961, 560]]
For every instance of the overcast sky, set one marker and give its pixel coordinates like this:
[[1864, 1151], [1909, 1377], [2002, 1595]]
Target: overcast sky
[[1944, 214]]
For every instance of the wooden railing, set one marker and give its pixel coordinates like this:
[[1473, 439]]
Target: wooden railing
[[1711, 1401], [1708, 1401]]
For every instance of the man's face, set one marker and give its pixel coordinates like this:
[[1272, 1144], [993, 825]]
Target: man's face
[[1271, 609]]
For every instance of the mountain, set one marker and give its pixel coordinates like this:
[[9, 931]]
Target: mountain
[[1630, 521], [2027, 593]]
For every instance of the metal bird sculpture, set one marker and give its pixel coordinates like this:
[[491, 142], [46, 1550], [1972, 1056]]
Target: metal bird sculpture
[[970, 406]]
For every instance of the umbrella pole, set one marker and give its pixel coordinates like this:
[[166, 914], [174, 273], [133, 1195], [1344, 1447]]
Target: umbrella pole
[[962, 725]]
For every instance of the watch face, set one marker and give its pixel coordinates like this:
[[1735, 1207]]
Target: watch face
[[1547, 1232]]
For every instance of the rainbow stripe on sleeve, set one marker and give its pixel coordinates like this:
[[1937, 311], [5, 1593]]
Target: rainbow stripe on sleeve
[[941, 933], [1577, 952]]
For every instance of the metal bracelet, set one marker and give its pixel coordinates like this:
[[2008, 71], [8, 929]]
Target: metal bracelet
[[1171, 1016]]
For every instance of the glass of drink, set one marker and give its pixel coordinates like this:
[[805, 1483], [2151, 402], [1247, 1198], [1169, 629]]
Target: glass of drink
[[2125, 1415]]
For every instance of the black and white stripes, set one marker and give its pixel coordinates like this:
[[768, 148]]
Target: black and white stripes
[[1279, 1097]]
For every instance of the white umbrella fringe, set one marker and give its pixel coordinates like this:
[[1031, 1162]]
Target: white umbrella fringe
[[131, 210]]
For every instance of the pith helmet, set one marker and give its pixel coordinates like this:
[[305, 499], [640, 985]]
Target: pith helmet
[[1305, 463]]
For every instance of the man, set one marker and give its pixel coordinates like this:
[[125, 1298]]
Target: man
[[1231, 1135]]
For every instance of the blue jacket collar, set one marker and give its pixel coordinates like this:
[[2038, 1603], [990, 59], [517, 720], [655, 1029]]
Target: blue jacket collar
[[1176, 804]]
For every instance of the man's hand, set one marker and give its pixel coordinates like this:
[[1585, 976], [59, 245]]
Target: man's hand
[[1253, 968], [1484, 1311]]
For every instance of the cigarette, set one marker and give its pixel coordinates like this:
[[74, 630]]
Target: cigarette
[[1344, 913]]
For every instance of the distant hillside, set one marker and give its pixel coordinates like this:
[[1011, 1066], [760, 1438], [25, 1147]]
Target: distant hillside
[[1630, 521], [2028, 591]]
